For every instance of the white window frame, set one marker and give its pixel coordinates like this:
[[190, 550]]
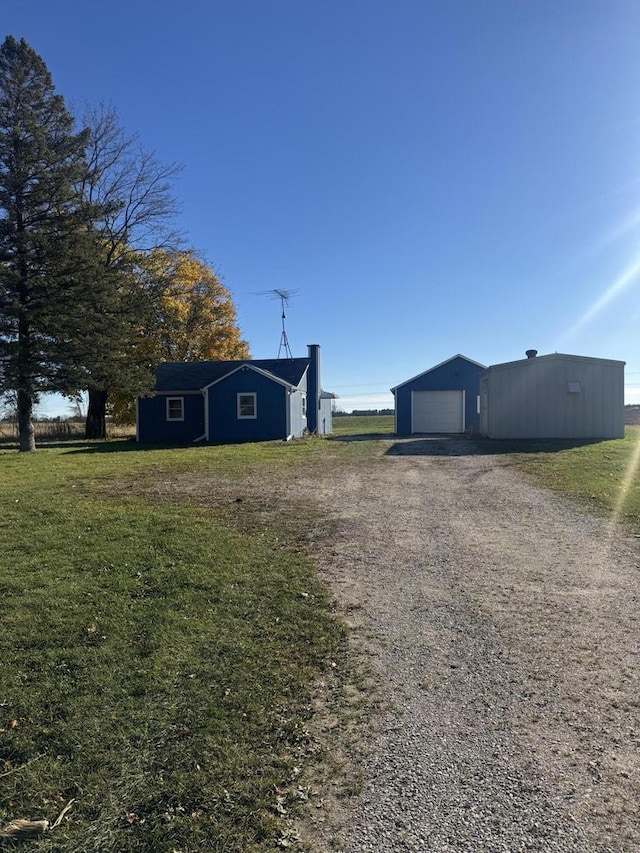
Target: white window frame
[[304, 405], [175, 400], [254, 397]]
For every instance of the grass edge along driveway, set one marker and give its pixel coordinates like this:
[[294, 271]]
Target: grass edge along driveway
[[156, 664]]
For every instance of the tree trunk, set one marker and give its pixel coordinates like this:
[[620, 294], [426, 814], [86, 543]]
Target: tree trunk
[[96, 423], [26, 431]]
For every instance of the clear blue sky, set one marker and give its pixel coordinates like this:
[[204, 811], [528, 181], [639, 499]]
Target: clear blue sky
[[430, 176]]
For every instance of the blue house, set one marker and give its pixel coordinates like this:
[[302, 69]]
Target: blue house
[[235, 401], [443, 399]]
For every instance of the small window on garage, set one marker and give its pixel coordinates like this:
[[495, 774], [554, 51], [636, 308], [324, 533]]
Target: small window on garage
[[175, 408], [247, 405], [304, 405], [574, 387]]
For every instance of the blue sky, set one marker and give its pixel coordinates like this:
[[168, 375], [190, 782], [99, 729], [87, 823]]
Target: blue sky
[[429, 176]]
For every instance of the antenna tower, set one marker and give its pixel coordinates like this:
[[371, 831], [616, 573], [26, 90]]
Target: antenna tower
[[285, 297]]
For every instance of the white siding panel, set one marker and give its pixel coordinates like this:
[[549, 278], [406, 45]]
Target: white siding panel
[[437, 411]]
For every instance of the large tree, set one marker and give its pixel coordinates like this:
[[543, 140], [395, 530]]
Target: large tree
[[131, 193], [51, 279], [193, 316]]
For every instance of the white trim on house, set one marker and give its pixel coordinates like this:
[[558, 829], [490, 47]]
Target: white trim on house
[[168, 402], [258, 370], [431, 369], [254, 397], [176, 392]]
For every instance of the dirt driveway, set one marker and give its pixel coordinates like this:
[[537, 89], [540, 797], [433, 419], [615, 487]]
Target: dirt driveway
[[501, 622]]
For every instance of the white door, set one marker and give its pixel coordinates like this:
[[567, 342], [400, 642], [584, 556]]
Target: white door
[[437, 411]]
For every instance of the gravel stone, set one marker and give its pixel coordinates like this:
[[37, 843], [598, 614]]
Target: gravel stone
[[500, 621]]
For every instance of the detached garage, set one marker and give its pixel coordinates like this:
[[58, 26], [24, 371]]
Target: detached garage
[[443, 399], [553, 396]]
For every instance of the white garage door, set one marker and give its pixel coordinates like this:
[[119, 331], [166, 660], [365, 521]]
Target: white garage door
[[437, 411]]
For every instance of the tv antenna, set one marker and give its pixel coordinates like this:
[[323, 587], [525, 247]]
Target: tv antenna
[[285, 297]]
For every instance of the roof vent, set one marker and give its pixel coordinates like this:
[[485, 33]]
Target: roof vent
[[531, 353]]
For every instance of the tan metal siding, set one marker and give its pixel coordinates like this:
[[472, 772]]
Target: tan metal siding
[[531, 399]]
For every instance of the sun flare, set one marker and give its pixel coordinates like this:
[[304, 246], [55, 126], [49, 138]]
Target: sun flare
[[626, 484], [628, 278]]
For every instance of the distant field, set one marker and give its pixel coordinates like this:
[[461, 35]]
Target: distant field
[[363, 425], [74, 430], [62, 431], [632, 415]]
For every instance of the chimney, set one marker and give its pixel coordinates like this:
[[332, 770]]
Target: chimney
[[313, 387], [531, 353]]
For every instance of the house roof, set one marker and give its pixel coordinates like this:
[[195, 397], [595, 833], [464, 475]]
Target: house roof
[[431, 369], [196, 375]]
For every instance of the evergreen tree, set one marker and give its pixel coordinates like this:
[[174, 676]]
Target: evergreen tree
[[51, 280]]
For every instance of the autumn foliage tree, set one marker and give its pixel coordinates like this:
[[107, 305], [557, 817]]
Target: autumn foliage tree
[[196, 319], [93, 291], [193, 317]]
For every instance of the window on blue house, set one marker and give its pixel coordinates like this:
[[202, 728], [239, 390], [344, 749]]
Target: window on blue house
[[175, 408], [247, 405]]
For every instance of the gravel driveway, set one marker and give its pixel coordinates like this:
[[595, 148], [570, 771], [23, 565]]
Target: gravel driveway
[[501, 622]]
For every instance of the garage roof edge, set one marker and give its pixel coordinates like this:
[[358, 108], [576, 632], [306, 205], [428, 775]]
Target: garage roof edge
[[431, 369]]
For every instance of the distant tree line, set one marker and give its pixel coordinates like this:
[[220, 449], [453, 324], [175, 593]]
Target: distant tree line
[[362, 412], [632, 415], [96, 287]]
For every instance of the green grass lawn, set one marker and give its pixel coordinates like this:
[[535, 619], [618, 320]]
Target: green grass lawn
[[363, 425], [156, 661], [155, 665], [604, 474]]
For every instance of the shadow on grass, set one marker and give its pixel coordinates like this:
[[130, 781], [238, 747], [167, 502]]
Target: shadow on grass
[[44, 444], [362, 436], [447, 445], [126, 445], [83, 446]]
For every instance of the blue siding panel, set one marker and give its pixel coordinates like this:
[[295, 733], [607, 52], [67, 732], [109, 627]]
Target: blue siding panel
[[211, 411], [313, 387], [271, 409], [457, 374], [154, 426]]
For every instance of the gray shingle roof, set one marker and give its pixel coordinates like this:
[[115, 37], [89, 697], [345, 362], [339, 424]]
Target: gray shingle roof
[[195, 375]]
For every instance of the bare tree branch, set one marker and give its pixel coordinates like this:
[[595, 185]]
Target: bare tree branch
[[131, 187]]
